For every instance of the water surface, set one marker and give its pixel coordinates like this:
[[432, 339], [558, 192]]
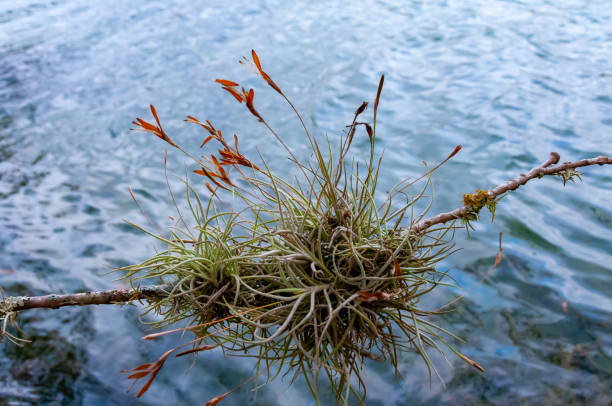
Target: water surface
[[509, 80]]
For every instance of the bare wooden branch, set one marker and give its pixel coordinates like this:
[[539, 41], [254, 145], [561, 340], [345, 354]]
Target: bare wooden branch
[[115, 296], [539, 171], [18, 303]]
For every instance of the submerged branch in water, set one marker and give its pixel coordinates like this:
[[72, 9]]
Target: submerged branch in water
[[566, 170]]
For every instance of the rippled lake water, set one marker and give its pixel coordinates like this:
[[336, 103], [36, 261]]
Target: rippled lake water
[[509, 80]]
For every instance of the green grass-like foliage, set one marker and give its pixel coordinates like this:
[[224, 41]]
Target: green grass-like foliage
[[312, 276]]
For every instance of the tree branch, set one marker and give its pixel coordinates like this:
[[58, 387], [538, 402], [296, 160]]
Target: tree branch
[[17, 303], [115, 296], [537, 172]]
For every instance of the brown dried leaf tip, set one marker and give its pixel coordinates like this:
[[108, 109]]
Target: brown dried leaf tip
[[369, 131], [353, 125], [378, 92], [361, 109], [455, 151], [145, 369], [471, 362], [215, 401], [398, 272], [498, 257], [150, 128]]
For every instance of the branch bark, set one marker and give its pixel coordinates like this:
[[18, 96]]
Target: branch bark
[[541, 170], [115, 296], [18, 303]]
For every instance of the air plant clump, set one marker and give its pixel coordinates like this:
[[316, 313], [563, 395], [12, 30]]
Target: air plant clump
[[309, 277]]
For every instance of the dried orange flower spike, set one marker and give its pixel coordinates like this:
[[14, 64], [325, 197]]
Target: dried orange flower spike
[[150, 128], [264, 75], [248, 97], [229, 157], [228, 83], [146, 369], [229, 86]]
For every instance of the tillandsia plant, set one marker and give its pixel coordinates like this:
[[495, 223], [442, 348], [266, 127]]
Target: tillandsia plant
[[308, 276]]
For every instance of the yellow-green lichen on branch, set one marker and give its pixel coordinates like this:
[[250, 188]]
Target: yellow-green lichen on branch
[[474, 202]]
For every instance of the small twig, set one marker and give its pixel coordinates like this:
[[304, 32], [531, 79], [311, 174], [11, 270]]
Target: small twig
[[542, 170], [115, 296]]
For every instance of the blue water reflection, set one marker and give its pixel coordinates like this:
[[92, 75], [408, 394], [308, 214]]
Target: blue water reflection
[[509, 80]]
